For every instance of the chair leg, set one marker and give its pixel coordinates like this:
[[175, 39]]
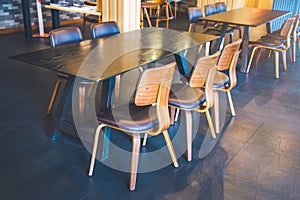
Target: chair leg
[[171, 11], [81, 97], [293, 52], [57, 84], [298, 44], [207, 47], [210, 124], [258, 57], [216, 111], [170, 148], [269, 54], [117, 90], [230, 103], [136, 143], [283, 54], [94, 151], [177, 114], [145, 139], [172, 115], [188, 131], [191, 27], [276, 66], [90, 89], [251, 58], [230, 38], [175, 10]]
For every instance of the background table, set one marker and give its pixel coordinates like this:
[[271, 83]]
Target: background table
[[246, 17], [55, 8]]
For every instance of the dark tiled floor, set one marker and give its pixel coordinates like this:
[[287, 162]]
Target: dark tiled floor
[[256, 157]]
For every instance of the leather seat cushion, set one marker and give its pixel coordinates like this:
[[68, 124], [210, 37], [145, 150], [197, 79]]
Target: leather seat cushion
[[130, 117], [183, 96], [221, 79], [268, 42]]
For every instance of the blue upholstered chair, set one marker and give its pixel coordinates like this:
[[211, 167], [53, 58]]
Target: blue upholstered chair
[[58, 37], [104, 29]]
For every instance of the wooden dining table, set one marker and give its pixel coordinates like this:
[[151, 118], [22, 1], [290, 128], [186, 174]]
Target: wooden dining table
[[135, 49], [246, 17]]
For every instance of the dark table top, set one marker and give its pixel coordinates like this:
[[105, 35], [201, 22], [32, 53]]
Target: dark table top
[[104, 58], [246, 16]]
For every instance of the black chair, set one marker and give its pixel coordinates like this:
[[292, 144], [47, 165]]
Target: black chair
[[211, 9], [194, 14], [94, 19], [65, 35], [104, 29], [221, 7], [274, 45], [58, 37]]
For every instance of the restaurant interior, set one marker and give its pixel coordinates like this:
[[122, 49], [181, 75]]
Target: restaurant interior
[[221, 139]]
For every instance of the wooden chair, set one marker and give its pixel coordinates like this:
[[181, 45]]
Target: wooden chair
[[275, 45], [157, 5], [280, 35], [191, 98], [58, 37], [176, 2], [223, 82], [151, 95]]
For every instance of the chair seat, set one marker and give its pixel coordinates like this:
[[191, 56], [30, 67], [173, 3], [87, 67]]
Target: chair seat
[[268, 42], [183, 96], [91, 18], [221, 79], [216, 31], [130, 117]]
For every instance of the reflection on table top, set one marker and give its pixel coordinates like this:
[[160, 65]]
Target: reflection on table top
[[246, 16], [75, 8], [103, 58]]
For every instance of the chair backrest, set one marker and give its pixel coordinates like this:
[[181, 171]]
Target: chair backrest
[[286, 31], [220, 7], [203, 75], [287, 26], [104, 29], [210, 9], [200, 70], [154, 88], [194, 14], [228, 61], [296, 26], [227, 54], [64, 36]]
